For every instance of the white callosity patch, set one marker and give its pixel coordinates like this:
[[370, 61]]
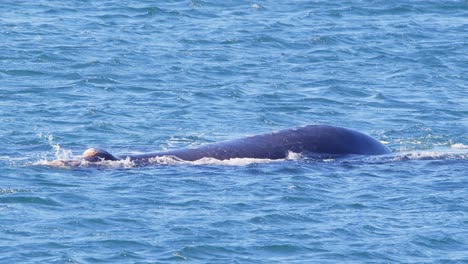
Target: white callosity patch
[[89, 153]]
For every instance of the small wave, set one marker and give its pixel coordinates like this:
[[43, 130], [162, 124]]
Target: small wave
[[4, 191], [256, 6], [432, 155], [437, 154], [29, 199]]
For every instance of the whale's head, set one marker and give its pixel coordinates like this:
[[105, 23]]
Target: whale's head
[[96, 155]]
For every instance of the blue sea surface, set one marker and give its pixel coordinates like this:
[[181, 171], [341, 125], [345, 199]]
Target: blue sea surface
[[141, 76]]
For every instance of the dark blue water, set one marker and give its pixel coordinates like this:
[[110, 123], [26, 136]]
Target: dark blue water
[[139, 76]]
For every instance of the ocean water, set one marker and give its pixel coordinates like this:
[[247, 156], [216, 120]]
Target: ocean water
[[141, 76]]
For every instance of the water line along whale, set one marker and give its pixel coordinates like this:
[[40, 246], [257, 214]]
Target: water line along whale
[[312, 139]]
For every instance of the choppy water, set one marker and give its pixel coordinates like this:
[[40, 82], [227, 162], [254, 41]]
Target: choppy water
[[137, 76]]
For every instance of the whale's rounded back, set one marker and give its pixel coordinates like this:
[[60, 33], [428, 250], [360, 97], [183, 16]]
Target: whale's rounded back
[[337, 140], [312, 139]]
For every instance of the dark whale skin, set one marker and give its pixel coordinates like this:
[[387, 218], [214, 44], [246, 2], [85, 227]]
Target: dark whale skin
[[311, 139]]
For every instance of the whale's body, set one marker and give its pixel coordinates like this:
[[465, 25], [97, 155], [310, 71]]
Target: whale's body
[[312, 139]]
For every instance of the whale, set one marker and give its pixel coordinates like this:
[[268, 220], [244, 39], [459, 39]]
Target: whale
[[323, 140]]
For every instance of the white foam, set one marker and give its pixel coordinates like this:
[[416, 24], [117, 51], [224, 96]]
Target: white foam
[[80, 163], [431, 155], [64, 164], [232, 162], [293, 155], [459, 146], [162, 160], [171, 160], [256, 6], [166, 160], [126, 163]]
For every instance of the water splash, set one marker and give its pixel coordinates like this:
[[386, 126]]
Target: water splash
[[59, 152]]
